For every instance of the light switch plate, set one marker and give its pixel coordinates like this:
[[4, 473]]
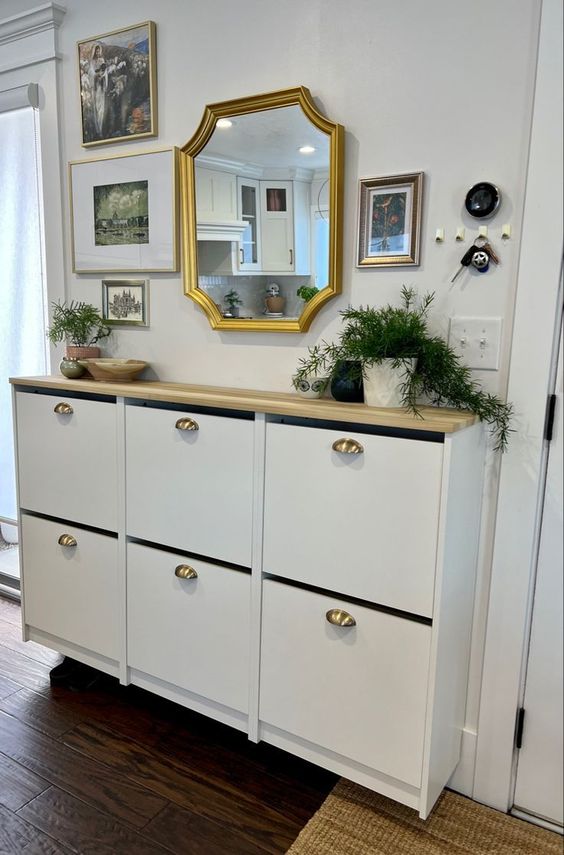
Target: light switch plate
[[477, 341]]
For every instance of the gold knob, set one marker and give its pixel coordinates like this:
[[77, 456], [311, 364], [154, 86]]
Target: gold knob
[[348, 446], [67, 540], [184, 571], [338, 617], [63, 409], [187, 424]]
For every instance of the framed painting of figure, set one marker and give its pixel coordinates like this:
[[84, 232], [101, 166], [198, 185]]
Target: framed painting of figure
[[118, 85]]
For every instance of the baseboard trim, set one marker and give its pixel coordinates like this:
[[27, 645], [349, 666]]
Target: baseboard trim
[[462, 779]]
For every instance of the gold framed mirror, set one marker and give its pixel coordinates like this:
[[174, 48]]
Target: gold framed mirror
[[262, 196]]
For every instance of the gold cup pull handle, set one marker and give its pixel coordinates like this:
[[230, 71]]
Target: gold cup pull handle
[[348, 446], [63, 409], [67, 540], [338, 617], [184, 571], [187, 424]]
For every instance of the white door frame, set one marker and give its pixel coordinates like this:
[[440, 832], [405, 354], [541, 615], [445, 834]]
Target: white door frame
[[537, 319]]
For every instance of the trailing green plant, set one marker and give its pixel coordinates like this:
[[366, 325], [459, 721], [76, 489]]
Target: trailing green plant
[[401, 334], [232, 298], [79, 324], [306, 292]]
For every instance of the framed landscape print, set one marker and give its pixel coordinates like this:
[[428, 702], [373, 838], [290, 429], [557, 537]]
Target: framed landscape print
[[124, 213], [389, 220], [118, 85], [125, 302]]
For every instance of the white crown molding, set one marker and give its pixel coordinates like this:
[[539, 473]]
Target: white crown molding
[[46, 17], [224, 164]]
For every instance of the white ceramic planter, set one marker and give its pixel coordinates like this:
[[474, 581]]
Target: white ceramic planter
[[382, 383], [312, 386]]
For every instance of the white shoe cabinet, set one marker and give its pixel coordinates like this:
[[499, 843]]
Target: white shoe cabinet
[[301, 570]]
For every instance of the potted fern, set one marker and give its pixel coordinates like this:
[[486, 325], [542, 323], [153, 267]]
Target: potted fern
[[416, 365], [80, 326]]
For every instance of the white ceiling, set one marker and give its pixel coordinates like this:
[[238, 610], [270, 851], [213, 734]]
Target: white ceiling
[[271, 138]]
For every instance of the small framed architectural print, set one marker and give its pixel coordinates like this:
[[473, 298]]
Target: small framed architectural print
[[389, 220], [125, 302], [124, 213], [118, 85]]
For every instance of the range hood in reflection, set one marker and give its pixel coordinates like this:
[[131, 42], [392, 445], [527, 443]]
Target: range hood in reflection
[[227, 230]]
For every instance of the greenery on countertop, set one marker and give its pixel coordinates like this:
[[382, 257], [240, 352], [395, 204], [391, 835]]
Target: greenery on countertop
[[232, 298], [401, 334], [79, 324], [306, 292]]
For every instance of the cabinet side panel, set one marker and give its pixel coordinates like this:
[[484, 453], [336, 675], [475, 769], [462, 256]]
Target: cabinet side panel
[[459, 530], [302, 237]]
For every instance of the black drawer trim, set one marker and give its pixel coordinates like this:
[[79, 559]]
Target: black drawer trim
[[61, 521], [195, 555], [184, 408], [356, 601], [65, 393], [354, 427]]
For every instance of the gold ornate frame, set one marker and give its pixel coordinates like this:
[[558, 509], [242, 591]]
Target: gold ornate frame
[[413, 181], [300, 96]]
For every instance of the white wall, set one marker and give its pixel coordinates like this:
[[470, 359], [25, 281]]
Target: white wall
[[445, 88]]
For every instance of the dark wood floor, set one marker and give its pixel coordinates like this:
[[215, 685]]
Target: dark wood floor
[[117, 770]]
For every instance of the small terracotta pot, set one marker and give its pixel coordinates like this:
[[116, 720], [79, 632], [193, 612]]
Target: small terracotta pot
[[74, 352]]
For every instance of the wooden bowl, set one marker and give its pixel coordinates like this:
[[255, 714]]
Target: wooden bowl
[[118, 370]]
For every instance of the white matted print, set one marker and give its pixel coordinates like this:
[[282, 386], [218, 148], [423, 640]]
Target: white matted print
[[124, 213], [125, 302]]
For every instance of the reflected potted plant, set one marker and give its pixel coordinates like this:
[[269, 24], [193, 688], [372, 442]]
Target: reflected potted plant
[[233, 301], [400, 362], [80, 325], [307, 292]]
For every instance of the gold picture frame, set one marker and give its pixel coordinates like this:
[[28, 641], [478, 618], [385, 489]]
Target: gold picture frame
[[117, 77], [389, 220], [153, 248], [125, 302]]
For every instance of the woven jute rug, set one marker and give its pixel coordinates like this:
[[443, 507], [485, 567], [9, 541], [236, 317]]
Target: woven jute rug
[[355, 821]]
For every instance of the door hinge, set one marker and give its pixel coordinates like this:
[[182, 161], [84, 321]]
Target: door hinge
[[519, 722], [549, 417]]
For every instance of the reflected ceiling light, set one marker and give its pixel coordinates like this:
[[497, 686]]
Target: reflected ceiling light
[[307, 149], [224, 123]]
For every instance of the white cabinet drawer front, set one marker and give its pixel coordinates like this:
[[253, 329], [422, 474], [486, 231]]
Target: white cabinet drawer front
[[68, 462], [363, 524], [71, 591], [359, 691], [190, 489], [193, 633]]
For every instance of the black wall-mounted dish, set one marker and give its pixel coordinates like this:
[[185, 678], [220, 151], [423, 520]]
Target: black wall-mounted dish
[[482, 200]]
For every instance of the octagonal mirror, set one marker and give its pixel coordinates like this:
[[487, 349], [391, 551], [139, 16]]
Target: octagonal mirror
[[262, 182]]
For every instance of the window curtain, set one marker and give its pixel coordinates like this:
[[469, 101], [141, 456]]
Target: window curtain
[[23, 311]]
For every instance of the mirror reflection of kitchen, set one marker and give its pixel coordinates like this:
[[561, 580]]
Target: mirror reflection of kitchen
[[262, 208]]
